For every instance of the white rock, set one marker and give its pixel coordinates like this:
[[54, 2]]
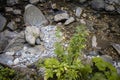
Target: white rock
[[61, 16], [94, 42], [33, 1], [16, 61], [70, 20], [10, 53], [31, 33], [78, 11]]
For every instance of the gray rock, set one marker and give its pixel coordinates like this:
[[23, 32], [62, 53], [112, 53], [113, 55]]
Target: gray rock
[[78, 11], [61, 16], [109, 7], [38, 41], [10, 53], [98, 4], [33, 16], [118, 10], [82, 1], [6, 59], [70, 20], [107, 58], [17, 11], [31, 34], [42, 0], [12, 25], [93, 53], [94, 42], [33, 1], [2, 22], [12, 2], [16, 61], [112, 1], [118, 70], [8, 9], [116, 47]]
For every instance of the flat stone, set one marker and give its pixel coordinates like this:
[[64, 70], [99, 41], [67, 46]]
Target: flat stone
[[61, 16], [33, 16], [70, 20], [12, 25], [31, 34], [33, 1], [78, 11], [2, 22]]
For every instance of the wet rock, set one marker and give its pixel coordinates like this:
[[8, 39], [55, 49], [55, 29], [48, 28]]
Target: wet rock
[[107, 58], [109, 7], [116, 47], [98, 4], [78, 11], [12, 2], [10, 53], [17, 11], [6, 59], [70, 20], [94, 42], [61, 16], [31, 34], [33, 16], [33, 1], [12, 25], [2, 22]]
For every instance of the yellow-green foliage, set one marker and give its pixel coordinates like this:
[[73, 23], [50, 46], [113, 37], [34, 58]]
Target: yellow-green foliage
[[68, 66]]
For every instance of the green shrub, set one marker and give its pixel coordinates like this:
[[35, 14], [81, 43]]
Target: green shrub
[[68, 65]]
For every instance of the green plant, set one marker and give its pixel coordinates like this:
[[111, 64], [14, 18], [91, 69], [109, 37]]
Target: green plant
[[6, 73], [68, 65]]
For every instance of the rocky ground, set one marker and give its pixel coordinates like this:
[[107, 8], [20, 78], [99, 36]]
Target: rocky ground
[[28, 28]]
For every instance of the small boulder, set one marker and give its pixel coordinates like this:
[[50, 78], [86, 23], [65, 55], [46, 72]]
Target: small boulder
[[2, 22], [70, 20], [78, 11], [31, 34]]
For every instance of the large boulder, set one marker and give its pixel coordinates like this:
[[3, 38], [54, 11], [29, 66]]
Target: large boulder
[[33, 16]]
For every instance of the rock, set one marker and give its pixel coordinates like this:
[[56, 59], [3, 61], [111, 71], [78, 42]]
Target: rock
[[118, 10], [33, 1], [82, 1], [38, 41], [16, 61], [78, 11], [12, 2], [42, 1], [6, 59], [109, 7], [31, 34], [8, 9], [116, 47], [98, 4], [93, 53], [61, 16], [94, 42], [12, 25], [33, 16], [112, 1], [118, 70], [17, 11], [2, 22], [70, 20], [10, 53], [107, 58]]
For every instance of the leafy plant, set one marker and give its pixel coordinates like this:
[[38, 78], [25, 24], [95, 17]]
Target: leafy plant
[[68, 65]]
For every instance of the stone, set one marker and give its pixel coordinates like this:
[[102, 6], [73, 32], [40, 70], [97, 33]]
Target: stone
[[118, 10], [12, 25], [98, 4], [17, 11], [93, 53], [61, 16], [33, 1], [12, 2], [70, 20], [107, 58], [33, 16], [31, 34], [38, 41], [6, 59], [16, 61], [2, 22], [116, 47], [112, 1], [78, 11], [94, 41], [109, 7], [82, 1], [8, 9], [10, 53]]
